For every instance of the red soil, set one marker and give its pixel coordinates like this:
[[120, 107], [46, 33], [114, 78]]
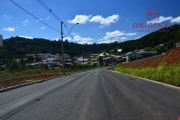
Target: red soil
[[25, 79], [172, 57]]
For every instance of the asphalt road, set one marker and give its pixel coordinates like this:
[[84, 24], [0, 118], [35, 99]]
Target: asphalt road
[[92, 95]]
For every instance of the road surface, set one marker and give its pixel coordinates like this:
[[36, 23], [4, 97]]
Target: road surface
[[92, 95]]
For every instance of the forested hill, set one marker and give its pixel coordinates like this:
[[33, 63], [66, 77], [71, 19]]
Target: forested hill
[[17, 46]]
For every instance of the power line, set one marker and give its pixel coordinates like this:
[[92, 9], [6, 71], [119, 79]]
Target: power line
[[34, 16], [50, 10], [68, 31]]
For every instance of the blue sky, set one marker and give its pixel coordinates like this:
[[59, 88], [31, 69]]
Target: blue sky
[[100, 21]]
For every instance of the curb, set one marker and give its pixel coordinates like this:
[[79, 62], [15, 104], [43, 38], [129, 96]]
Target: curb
[[25, 84], [156, 82]]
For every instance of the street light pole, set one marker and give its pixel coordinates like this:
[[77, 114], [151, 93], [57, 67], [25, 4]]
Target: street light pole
[[62, 49], [83, 61], [63, 70]]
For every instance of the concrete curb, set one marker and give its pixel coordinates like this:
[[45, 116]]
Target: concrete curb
[[156, 82], [25, 84]]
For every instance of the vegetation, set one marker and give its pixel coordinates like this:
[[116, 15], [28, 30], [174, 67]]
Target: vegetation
[[14, 66], [164, 73], [17, 47], [15, 70]]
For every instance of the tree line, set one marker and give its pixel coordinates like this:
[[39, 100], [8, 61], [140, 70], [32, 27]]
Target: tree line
[[17, 47]]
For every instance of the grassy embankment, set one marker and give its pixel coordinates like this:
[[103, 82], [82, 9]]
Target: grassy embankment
[[164, 73], [30, 75], [26, 72]]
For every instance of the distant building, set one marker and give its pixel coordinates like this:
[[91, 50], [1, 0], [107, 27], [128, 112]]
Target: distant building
[[161, 45], [33, 55], [49, 56], [57, 56], [109, 60], [81, 61], [66, 56], [177, 44], [1, 40], [143, 53], [130, 56], [41, 56], [119, 50], [93, 58], [104, 54]]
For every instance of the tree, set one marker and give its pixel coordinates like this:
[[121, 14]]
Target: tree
[[14, 66], [30, 58], [100, 59]]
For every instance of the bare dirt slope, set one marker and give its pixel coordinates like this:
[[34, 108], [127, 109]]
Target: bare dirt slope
[[172, 57]]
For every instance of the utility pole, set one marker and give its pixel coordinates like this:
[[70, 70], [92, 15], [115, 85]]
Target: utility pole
[[62, 49], [63, 70], [83, 61]]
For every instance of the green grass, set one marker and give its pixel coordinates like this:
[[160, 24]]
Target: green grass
[[10, 74], [164, 73]]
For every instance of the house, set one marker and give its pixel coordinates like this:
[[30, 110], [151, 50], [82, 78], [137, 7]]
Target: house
[[81, 61], [49, 56], [130, 56], [66, 56], [41, 56], [57, 56], [33, 55], [104, 54], [177, 44], [109, 60], [93, 58], [144, 53]]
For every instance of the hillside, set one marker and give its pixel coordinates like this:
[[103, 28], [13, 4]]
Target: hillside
[[172, 57], [17, 47]]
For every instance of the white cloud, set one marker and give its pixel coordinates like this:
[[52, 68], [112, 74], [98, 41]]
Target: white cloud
[[138, 37], [175, 20], [115, 36], [130, 34], [43, 28], [47, 17], [160, 20], [66, 38], [82, 40], [56, 39], [25, 22], [8, 17], [75, 34], [106, 41], [115, 33], [10, 29], [104, 21], [26, 37], [123, 38], [81, 19]]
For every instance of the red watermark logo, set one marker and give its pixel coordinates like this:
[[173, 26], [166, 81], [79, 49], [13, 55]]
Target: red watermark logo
[[153, 24], [179, 118], [153, 14]]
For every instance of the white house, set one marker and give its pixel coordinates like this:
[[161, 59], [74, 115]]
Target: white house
[[66, 56], [49, 56], [177, 44]]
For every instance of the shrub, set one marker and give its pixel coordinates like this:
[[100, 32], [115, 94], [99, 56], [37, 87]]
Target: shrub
[[14, 66]]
